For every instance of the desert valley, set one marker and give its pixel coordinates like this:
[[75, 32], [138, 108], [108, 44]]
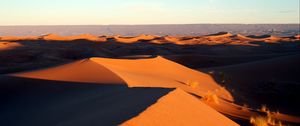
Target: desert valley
[[149, 80]]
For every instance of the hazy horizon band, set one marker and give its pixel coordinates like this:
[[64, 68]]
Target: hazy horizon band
[[158, 29]]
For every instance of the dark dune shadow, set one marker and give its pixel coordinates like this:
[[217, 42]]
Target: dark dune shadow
[[274, 82], [32, 102], [259, 37]]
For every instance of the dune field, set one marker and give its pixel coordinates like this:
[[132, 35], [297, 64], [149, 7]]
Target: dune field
[[220, 79]]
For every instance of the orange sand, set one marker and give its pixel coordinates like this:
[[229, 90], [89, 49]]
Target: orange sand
[[54, 37], [176, 108], [179, 108]]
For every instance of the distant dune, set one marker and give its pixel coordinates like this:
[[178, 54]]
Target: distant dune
[[54, 37], [213, 39]]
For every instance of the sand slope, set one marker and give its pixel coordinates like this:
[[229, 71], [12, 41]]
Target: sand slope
[[80, 71], [179, 108]]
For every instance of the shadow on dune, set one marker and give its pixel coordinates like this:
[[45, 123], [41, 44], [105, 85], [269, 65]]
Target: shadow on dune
[[35, 102]]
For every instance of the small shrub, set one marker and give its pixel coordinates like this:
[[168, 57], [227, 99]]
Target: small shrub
[[211, 97], [259, 121], [264, 121]]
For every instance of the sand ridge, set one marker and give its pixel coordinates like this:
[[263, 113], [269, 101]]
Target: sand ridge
[[171, 111]]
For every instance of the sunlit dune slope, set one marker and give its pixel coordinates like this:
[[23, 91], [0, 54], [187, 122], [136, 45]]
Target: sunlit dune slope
[[179, 108]]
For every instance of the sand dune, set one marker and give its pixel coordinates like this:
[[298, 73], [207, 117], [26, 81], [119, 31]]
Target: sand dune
[[219, 39], [135, 73], [171, 111], [69, 104]]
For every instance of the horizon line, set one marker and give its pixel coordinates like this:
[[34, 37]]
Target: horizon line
[[156, 24]]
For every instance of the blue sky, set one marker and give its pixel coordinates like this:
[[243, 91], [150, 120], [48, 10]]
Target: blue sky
[[97, 12]]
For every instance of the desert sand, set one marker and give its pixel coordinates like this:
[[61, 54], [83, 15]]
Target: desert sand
[[218, 79]]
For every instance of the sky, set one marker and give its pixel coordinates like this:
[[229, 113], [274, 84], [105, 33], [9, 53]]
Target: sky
[[130, 12]]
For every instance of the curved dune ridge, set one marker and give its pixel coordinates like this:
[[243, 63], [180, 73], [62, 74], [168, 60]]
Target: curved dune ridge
[[171, 111], [151, 72]]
